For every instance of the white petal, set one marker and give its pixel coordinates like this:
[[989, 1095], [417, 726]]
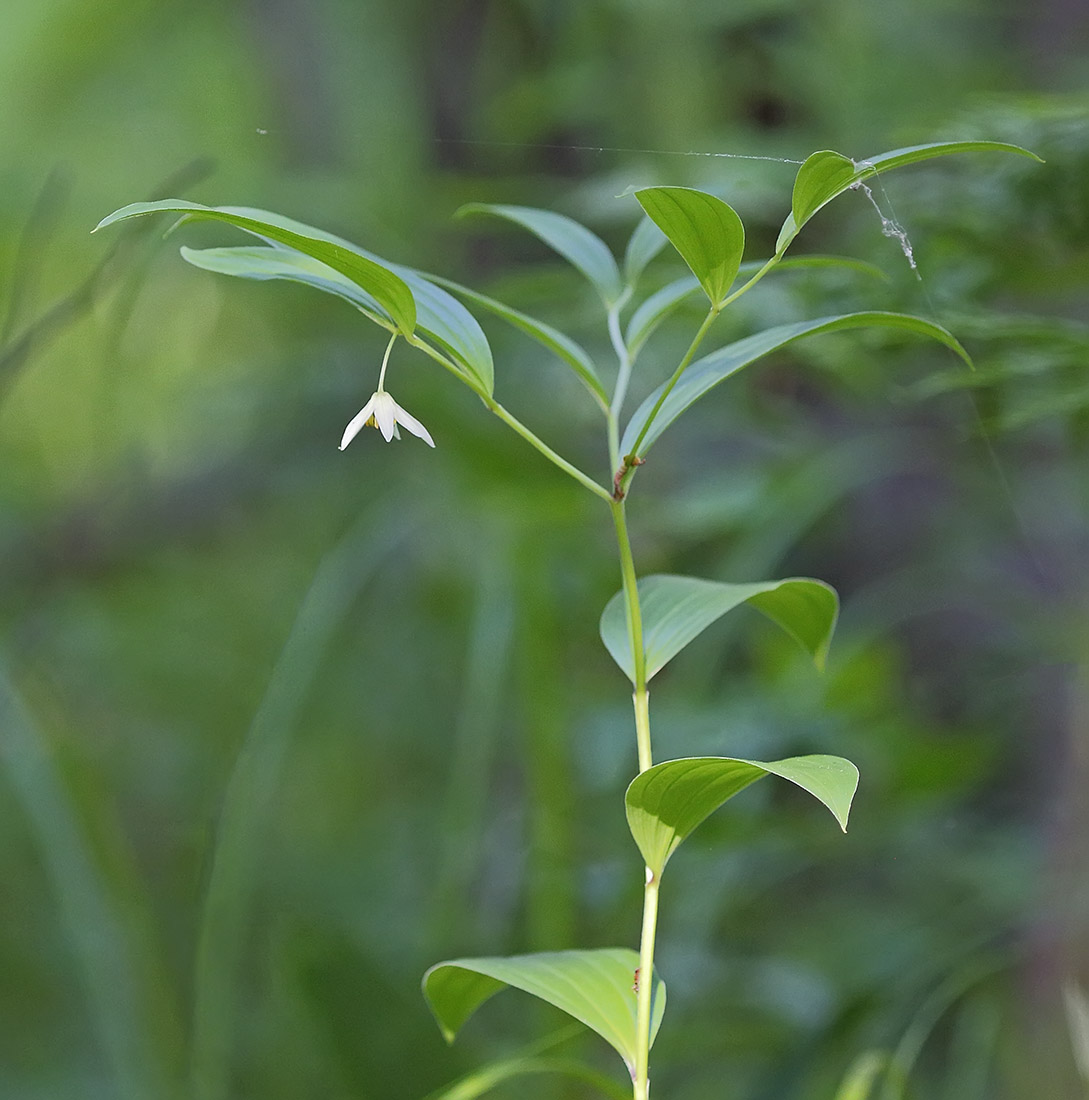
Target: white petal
[[357, 422], [414, 426], [385, 413]]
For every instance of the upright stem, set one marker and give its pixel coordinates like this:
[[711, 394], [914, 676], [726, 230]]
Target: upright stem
[[641, 702]]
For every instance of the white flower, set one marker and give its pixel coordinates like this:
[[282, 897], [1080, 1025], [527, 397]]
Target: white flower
[[383, 413]]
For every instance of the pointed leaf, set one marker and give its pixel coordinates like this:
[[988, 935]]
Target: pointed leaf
[[439, 315], [826, 174], [595, 987], [572, 240], [387, 289], [645, 243], [707, 372], [666, 803], [548, 337], [706, 232], [678, 609]]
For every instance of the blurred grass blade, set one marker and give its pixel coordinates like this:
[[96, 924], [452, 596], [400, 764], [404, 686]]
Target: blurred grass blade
[[252, 787], [388, 290], [678, 609], [646, 241], [483, 1080], [119, 1010], [439, 316], [572, 240], [861, 1076], [548, 337], [667, 802], [707, 372], [595, 987], [705, 230], [826, 174], [1077, 1019]]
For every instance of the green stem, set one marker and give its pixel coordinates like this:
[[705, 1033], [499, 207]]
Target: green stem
[[512, 421], [674, 378], [634, 617], [641, 1084], [623, 377], [641, 703]]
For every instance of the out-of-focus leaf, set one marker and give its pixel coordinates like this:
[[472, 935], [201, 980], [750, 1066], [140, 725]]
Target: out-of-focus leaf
[[712, 369], [645, 243], [668, 801], [826, 174], [439, 315], [861, 1076], [705, 230], [388, 289], [595, 987], [1077, 1018], [483, 1080], [548, 337], [571, 239], [678, 609]]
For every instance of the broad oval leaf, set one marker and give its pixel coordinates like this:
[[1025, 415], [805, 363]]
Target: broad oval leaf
[[548, 337], [707, 372], [572, 240], [388, 289], [822, 176], [646, 241], [678, 609], [705, 230], [825, 174], [595, 987], [439, 315], [668, 801]]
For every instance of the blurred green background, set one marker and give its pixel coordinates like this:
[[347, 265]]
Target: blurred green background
[[384, 663]]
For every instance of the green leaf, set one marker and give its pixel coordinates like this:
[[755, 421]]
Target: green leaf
[[826, 174], [707, 372], [706, 232], [548, 337], [564, 235], [386, 288], [644, 244], [667, 802], [440, 316], [678, 609], [861, 1077], [595, 987]]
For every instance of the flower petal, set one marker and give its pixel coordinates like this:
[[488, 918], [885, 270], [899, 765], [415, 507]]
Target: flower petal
[[414, 426], [385, 414], [357, 422]]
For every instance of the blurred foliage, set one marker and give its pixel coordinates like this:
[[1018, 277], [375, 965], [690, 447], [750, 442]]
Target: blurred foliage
[[450, 740]]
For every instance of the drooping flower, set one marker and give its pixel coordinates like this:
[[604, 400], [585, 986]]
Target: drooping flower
[[383, 413]]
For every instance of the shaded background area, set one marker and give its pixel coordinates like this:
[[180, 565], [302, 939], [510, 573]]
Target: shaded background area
[[399, 644]]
